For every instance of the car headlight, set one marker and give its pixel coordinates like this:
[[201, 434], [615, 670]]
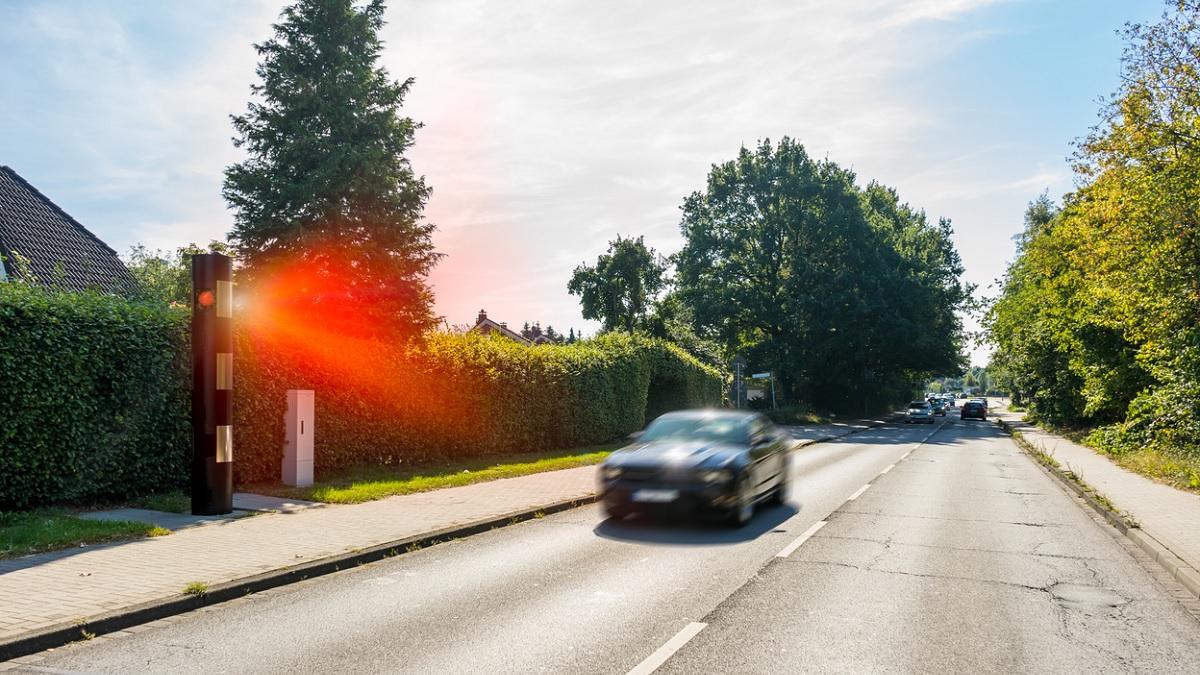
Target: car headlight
[[719, 476], [610, 472]]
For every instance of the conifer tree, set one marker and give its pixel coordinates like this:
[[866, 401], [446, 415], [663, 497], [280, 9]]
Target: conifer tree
[[325, 185]]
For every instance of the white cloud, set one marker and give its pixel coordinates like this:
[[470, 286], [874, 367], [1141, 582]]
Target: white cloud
[[551, 126]]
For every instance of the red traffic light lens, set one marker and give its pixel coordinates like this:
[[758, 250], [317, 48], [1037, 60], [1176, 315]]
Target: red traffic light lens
[[205, 299]]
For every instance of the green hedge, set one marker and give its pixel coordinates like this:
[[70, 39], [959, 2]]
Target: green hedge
[[457, 396], [94, 400], [93, 397]]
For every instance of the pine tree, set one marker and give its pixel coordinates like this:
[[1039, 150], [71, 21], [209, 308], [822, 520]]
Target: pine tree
[[325, 187]]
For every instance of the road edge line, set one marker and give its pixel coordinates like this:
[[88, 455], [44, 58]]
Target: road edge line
[[86, 628], [651, 663]]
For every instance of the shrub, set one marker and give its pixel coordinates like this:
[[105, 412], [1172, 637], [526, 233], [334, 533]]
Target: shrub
[[455, 396], [93, 397], [95, 401]]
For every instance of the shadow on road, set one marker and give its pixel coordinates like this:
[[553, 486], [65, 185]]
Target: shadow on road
[[694, 531]]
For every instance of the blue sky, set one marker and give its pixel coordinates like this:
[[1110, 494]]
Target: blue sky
[[552, 126]]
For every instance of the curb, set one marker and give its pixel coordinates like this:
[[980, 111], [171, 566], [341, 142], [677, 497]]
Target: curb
[[109, 622], [1187, 576]]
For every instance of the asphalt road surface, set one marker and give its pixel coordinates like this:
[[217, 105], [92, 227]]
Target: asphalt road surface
[[961, 556]]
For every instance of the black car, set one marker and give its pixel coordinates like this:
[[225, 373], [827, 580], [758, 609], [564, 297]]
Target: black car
[[720, 462], [973, 409]]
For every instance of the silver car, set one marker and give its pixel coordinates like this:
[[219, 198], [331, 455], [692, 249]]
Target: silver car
[[919, 411]]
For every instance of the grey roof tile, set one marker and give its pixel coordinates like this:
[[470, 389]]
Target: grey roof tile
[[61, 252]]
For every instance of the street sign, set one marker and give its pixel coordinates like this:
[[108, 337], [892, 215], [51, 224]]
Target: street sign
[[761, 376]]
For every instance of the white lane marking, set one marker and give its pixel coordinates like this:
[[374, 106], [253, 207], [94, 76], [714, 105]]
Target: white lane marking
[[858, 493], [791, 548], [905, 455], [890, 467], [665, 652]]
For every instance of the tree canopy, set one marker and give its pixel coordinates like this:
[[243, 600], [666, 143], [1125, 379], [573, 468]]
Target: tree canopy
[[621, 286], [1097, 320], [325, 186], [840, 289]]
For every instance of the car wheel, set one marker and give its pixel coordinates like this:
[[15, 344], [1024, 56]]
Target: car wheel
[[743, 509], [780, 493], [616, 512]]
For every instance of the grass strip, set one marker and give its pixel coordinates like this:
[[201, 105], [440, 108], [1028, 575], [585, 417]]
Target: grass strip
[[367, 483], [170, 502], [1178, 471], [23, 533]]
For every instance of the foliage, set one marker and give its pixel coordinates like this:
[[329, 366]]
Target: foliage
[[94, 396], [366, 483], [41, 530], [167, 277], [619, 289], [326, 184], [842, 290], [456, 396], [1097, 323]]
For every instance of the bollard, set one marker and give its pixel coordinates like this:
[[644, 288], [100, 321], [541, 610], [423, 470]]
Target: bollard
[[298, 438]]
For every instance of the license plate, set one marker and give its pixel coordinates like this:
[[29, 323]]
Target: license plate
[[656, 496]]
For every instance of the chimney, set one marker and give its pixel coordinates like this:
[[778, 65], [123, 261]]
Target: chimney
[[481, 318]]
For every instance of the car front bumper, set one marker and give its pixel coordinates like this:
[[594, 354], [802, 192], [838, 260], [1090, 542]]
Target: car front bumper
[[648, 496]]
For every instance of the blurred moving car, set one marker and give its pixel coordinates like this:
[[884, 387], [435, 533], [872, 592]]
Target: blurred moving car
[[938, 406], [721, 462], [973, 409], [919, 411]]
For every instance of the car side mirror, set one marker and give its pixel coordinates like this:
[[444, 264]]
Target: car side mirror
[[634, 436]]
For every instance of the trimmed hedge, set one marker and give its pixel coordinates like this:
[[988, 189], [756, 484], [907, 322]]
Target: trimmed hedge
[[456, 396], [94, 400], [93, 397]]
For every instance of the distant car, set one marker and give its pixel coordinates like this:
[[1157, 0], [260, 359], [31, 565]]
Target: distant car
[[949, 399], [938, 406], [919, 411], [981, 401], [720, 462], [973, 409]]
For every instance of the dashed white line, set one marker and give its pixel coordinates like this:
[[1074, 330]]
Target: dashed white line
[[665, 652], [889, 468], [858, 493], [791, 548]]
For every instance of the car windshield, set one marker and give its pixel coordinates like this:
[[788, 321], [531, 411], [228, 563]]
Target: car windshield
[[917, 404], [724, 428]]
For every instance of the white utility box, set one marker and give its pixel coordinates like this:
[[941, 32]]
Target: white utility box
[[298, 438]]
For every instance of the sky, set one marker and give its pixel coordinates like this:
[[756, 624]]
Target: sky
[[552, 126]]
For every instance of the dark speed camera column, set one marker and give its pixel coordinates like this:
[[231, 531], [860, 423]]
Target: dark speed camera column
[[212, 384]]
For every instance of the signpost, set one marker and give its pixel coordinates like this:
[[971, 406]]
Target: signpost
[[767, 376], [212, 384], [739, 365]]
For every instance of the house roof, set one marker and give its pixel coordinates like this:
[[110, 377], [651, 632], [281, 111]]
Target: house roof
[[60, 251], [502, 329]]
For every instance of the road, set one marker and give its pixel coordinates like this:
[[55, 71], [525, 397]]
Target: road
[[960, 556]]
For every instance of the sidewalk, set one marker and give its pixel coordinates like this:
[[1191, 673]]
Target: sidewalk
[[1169, 516], [43, 593]]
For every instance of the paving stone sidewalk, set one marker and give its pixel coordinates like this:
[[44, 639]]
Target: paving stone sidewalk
[[40, 591], [45, 590], [1167, 514]]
